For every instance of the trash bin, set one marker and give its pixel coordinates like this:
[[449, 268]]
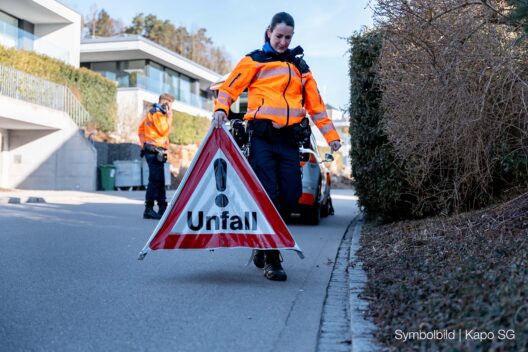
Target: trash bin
[[107, 177], [128, 173], [145, 174]]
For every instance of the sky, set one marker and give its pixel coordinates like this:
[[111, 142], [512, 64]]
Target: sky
[[238, 26]]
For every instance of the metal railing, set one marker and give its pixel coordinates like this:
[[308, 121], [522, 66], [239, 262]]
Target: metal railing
[[20, 85]]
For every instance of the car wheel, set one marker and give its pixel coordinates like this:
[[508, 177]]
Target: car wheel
[[311, 215], [324, 209]]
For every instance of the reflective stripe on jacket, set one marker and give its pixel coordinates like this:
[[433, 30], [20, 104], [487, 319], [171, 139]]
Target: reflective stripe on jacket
[[275, 92], [155, 128]]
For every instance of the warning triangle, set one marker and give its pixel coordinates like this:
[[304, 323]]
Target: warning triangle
[[220, 203]]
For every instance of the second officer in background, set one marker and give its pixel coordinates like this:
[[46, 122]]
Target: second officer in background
[[153, 134]]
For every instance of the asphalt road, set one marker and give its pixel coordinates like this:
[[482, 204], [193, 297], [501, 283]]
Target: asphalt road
[[70, 281]]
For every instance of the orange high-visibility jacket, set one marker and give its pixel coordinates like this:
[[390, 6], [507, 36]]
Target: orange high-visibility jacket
[[275, 92], [155, 128]]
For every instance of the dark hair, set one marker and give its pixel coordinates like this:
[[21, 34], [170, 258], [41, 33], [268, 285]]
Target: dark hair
[[278, 18]]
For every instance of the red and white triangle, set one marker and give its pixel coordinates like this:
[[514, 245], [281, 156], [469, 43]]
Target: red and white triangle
[[220, 204]]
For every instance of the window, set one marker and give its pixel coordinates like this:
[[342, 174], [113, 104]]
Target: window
[[8, 30], [172, 83], [185, 89], [4, 17], [130, 73], [154, 77], [107, 69]]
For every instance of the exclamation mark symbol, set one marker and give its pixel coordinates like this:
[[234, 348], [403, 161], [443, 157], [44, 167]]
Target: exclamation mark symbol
[[220, 170]]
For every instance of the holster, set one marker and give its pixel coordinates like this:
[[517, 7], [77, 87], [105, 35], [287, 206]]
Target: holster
[[238, 130], [298, 134], [161, 153], [302, 132]]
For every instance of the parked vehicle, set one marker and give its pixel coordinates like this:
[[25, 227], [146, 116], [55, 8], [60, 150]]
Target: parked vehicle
[[316, 201]]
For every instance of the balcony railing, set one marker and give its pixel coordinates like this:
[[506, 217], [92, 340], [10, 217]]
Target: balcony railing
[[14, 37], [20, 85]]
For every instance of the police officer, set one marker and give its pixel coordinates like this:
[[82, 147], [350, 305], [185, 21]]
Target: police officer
[[281, 89], [153, 134]]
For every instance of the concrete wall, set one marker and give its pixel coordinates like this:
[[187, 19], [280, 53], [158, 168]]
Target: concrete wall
[[57, 27], [17, 114], [53, 155], [59, 160], [67, 38], [65, 35]]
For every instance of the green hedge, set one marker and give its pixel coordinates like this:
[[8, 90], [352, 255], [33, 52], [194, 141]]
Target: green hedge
[[188, 129], [96, 93], [378, 178]]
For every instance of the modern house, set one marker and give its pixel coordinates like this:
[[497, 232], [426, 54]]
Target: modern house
[[143, 70], [44, 26], [41, 146]]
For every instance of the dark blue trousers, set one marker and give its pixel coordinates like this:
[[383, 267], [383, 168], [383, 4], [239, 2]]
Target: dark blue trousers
[[156, 181], [275, 160]]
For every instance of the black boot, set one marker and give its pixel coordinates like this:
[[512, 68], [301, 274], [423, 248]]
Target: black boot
[[273, 269], [149, 212], [161, 208], [258, 258]]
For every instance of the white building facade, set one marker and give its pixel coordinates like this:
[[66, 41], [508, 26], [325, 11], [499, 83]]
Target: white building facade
[[44, 26], [142, 71], [41, 146]]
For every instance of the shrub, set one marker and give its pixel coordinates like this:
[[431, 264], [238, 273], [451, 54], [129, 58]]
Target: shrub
[[188, 129], [438, 109], [379, 181], [454, 100], [96, 93]]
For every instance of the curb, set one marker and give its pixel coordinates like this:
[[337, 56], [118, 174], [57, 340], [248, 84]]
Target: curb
[[361, 329], [343, 327], [334, 330]]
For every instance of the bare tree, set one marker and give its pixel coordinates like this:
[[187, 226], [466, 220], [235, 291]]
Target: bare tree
[[99, 23], [455, 94]]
